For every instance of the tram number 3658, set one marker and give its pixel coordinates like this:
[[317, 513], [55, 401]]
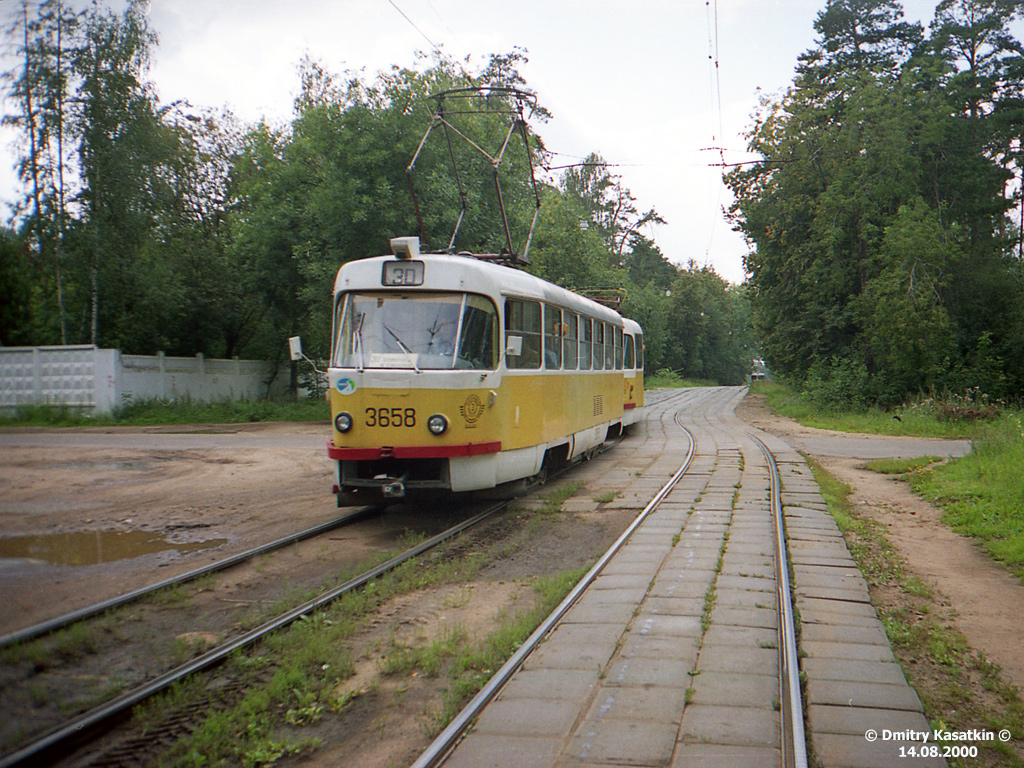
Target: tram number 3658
[[391, 417]]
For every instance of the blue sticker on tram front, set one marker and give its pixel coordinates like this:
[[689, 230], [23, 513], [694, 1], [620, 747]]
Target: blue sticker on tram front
[[345, 386]]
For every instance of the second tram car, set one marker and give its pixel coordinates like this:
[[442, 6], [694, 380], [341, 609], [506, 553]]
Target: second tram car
[[451, 373]]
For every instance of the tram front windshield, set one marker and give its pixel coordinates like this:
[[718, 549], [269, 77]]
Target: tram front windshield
[[425, 331]]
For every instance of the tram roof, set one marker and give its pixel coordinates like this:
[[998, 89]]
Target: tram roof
[[465, 272]]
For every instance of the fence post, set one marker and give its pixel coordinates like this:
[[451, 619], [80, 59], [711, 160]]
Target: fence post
[[106, 380], [162, 364], [37, 375]]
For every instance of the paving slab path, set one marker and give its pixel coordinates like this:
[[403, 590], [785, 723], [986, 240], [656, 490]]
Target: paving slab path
[[671, 657]]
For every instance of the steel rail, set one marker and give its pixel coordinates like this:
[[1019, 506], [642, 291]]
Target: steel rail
[[59, 622], [794, 739], [449, 737], [56, 743]]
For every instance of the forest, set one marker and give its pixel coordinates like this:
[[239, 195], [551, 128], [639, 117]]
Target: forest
[[883, 217], [147, 226]]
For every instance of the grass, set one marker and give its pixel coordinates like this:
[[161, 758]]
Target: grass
[[665, 378], [981, 494], [959, 688], [901, 466], [916, 420], [185, 411], [295, 678], [474, 665]]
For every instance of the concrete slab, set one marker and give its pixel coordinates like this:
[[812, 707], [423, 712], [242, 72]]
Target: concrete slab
[[857, 671], [643, 672], [743, 598], [655, 625], [746, 617], [592, 612], [854, 651], [576, 646], [881, 696], [735, 689], [745, 637], [724, 658], [675, 606], [568, 684], [660, 704], [749, 583], [487, 751], [843, 634], [537, 718], [843, 751], [720, 755], [748, 726], [856, 721], [684, 649], [622, 742]]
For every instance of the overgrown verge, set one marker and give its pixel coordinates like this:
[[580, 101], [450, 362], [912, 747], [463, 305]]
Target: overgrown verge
[[959, 688], [920, 419], [981, 494], [669, 379], [292, 689], [183, 411]]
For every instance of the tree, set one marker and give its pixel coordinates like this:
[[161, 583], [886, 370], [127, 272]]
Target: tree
[[118, 133], [706, 333], [876, 216], [15, 310], [41, 87]]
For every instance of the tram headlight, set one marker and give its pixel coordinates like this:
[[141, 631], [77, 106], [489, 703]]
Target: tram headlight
[[343, 421], [437, 424]]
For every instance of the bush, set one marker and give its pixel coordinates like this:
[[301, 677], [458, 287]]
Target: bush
[[840, 384]]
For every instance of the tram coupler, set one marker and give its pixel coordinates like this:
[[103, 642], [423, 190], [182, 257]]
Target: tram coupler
[[395, 489]]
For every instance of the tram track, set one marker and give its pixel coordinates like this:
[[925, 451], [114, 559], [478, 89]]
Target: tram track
[[87, 612], [447, 739], [792, 748], [701, 417], [58, 741]]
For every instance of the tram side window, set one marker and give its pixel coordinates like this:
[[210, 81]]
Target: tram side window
[[586, 343], [569, 342], [618, 349], [522, 322], [598, 345], [629, 353], [640, 351], [552, 338]]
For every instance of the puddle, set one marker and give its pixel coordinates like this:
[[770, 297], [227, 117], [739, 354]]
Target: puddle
[[93, 547], [101, 466]]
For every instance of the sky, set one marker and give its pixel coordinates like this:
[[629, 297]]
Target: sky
[[663, 90]]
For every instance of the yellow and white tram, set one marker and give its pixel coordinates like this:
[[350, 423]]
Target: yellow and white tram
[[454, 373]]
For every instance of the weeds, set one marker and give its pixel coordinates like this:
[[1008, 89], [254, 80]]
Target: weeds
[[901, 466], [669, 379], [556, 498], [959, 688], [184, 411]]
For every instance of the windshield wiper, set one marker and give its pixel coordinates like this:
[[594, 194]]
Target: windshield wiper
[[359, 341], [405, 349]]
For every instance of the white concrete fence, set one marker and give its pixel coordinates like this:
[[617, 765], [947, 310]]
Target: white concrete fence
[[101, 380]]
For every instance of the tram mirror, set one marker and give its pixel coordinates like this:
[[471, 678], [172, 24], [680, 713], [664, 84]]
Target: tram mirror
[[514, 345], [295, 347]]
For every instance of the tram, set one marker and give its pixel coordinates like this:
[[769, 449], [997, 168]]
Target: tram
[[456, 373]]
